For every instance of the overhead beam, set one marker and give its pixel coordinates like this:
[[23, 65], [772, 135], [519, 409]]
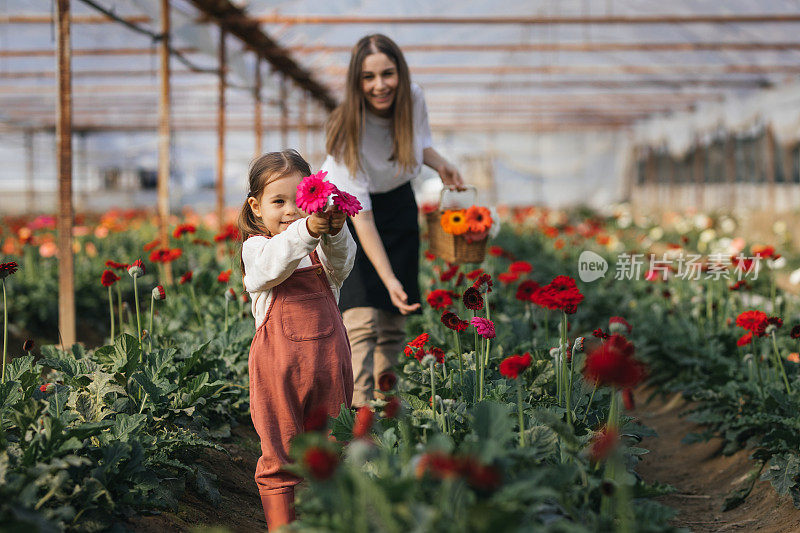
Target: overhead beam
[[77, 52], [651, 69], [277, 18], [236, 21], [74, 19], [567, 47]]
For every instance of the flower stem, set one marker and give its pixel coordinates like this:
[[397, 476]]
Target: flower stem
[[780, 363], [111, 312], [433, 392], [589, 405], [119, 309], [5, 331], [460, 362], [477, 359], [150, 324], [519, 412], [136, 299]]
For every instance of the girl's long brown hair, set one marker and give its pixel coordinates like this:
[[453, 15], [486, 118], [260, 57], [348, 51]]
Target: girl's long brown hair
[[263, 171], [346, 123]]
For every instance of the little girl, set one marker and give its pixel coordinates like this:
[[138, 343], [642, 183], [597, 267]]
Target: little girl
[[300, 356]]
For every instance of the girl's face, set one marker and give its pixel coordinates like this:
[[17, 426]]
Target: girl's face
[[379, 79], [277, 207]]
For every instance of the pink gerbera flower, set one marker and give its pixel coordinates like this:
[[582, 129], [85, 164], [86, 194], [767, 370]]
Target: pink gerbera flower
[[313, 192], [484, 326], [346, 202]]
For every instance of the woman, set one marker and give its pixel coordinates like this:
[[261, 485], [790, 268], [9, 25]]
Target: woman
[[377, 140]]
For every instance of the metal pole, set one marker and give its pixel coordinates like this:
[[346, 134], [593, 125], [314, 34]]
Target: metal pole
[[257, 124], [284, 113], [164, 113], [66, 269], [302, 130], [769, 160], [221, 132]]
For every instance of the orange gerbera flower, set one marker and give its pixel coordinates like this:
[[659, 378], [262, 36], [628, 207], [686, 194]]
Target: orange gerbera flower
[[479, 219], [455, 222]]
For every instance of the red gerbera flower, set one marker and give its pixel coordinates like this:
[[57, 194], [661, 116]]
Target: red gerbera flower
[[186, 278], [165, 255], [526, 289], [750, 320], [472, 299], [387, 381], [419, 341], [363, 423], [448, 274], [508, 277], [152, 244], [229, 233], [452, 321], [474, 273], [483, 278], [320, 462], [513, 366], [795, 333], [613, 364], [745, 339], [392, 407], [183, 229], [224, 276], [520, 267], [108, 278], [617, 324], [117, 266], [441, 298], [761, 329], [600, 334], [603, 443], [8, 268]]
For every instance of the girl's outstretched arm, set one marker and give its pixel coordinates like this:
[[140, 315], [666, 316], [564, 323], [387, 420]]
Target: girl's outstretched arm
[[338, 255], [269, 261]]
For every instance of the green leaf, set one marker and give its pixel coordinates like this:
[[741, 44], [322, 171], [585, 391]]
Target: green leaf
[[127, 353], [126, 425], [342, 425], [782, 472], [493, 426], [10, 394], [19, 366], [204, 482]]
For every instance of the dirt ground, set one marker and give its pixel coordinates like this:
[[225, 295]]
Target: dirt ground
[[704, 477], [240, 510]]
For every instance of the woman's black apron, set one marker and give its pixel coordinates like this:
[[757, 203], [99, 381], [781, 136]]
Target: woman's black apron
[[395, 214]]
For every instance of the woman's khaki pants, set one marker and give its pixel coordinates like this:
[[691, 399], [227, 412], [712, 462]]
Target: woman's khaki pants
[[376, 340]]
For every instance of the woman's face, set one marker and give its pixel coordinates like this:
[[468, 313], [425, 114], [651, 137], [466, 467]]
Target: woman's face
[[379, 79]]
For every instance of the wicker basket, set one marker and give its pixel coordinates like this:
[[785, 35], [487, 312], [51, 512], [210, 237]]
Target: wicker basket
[[453, 248]]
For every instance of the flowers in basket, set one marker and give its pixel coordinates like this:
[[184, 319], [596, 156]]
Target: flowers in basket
[[472, 223]]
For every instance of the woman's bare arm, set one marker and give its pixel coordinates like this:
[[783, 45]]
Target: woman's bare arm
[[364, 223]]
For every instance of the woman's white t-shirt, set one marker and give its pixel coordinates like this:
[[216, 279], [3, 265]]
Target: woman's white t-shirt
[[377, 174]]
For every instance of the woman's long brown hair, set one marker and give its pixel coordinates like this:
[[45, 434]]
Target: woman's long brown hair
[[263, 171], [346, 123]]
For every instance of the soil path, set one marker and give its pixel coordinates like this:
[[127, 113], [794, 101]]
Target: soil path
[[240, 510], [703, 477]]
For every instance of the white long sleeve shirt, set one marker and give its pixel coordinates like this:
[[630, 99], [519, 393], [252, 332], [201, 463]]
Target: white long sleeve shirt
[[269, 261]]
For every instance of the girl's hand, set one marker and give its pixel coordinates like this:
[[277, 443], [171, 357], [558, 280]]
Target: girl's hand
[[450, 176], [337, 220], [318, 224], [399, 297]]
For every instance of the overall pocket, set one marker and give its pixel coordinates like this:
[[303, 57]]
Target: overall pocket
[[307, 317]]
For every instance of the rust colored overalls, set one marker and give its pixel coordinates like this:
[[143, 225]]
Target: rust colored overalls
[[299, 361]]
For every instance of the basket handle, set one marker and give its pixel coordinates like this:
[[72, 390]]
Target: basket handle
[[470, 188]]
